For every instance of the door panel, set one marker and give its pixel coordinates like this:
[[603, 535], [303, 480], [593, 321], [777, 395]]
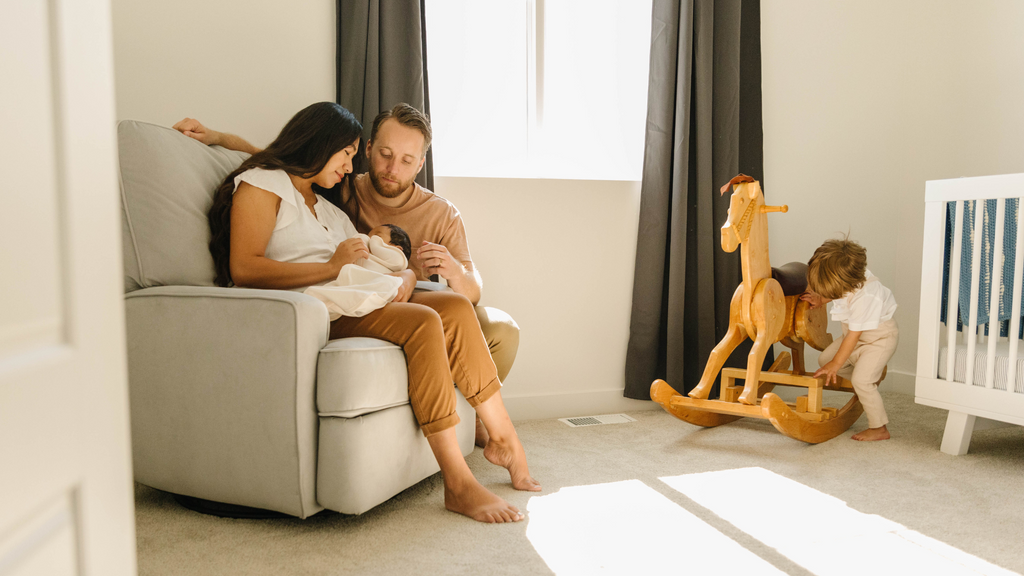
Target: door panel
[[30, 310], [65, 470]]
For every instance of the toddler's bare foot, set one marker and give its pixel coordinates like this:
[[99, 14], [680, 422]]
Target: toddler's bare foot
[[481, 434], [880, 433], [479, 503], [511, 456]]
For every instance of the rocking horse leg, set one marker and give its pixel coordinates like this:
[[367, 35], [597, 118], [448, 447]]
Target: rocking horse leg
[[754, 361], [798, 357], [720, 354], [768, 309]]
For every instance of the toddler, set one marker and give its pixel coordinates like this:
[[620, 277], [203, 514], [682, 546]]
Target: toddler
[[837, 273]]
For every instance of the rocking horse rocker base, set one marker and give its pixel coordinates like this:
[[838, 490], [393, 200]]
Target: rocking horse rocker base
[[805, 420], [767, 308]]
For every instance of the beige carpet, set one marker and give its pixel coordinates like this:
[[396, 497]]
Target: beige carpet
[[605, 509]]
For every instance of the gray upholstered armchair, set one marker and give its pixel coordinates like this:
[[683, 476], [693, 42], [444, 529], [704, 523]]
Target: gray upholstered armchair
[[237, 396]]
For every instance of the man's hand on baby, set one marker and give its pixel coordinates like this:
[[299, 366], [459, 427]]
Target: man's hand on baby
[[349, 252], [435, 259], [407, 287], [194, 129], [813, 299]]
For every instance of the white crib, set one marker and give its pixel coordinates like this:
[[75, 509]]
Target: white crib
[[966, 372]]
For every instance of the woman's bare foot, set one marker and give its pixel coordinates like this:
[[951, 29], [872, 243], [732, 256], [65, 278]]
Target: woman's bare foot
[[880, 433], [512, 457], [481, 434], [473, 500]]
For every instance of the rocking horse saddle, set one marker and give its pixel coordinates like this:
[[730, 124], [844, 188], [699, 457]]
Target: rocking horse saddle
[[792, 277]]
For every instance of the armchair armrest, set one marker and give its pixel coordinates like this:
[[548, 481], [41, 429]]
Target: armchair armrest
[[223, 384]]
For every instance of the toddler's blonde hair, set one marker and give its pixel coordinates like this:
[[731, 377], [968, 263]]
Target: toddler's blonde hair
[[837, 268]]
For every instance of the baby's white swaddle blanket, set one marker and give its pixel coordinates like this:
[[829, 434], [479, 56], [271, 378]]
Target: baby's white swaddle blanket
[[364, 286]]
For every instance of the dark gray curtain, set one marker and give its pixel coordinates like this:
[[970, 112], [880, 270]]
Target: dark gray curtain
[[703, 127], [382, 60]]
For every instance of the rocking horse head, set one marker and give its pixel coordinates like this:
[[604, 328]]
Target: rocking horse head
[[745, 208]]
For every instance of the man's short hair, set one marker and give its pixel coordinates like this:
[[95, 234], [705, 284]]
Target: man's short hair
[[837, 268], [406, 115]]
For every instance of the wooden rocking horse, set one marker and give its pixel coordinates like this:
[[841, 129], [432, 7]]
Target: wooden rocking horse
[[767, 308]]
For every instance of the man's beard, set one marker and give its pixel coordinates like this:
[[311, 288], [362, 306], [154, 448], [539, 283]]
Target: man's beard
[[387, 189]]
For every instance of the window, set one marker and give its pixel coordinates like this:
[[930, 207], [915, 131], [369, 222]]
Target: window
[[538, 88]]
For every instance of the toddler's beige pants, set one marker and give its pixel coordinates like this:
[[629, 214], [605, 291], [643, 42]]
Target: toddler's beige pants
[[865, 365]]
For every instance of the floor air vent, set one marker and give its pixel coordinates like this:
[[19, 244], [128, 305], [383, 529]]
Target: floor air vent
[[581, 421]]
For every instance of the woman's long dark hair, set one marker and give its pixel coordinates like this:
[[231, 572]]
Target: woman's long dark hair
[[302, 149]]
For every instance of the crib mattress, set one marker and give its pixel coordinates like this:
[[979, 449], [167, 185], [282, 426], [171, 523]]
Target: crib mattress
[[980, 360]]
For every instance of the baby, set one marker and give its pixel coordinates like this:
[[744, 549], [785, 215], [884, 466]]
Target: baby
[[837, 273], [381, 242], [367, 285]]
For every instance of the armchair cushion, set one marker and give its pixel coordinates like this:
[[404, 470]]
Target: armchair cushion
[[167, 186], [359, 376]]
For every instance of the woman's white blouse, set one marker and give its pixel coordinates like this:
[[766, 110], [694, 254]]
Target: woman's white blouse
[[299, 236], [865, 308]]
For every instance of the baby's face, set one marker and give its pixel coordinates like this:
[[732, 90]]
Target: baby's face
[[384, 232]]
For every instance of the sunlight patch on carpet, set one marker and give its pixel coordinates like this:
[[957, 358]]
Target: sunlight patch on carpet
[[820, 532], [629, 528]]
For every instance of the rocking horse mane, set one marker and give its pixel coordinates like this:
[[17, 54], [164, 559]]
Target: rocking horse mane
[[737, 179]]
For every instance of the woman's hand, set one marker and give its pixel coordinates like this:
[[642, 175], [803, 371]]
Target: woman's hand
[[408, 285], [349, 252]]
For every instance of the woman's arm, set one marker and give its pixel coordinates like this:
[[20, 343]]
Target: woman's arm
[[253, 216], [408, 285]]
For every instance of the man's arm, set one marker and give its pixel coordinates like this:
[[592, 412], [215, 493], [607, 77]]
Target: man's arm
[[469, 283], [194, 129]]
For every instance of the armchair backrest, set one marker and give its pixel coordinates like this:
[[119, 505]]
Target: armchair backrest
[[167, 185]]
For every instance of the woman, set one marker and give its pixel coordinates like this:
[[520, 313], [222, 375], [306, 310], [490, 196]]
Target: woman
[[270, 229]]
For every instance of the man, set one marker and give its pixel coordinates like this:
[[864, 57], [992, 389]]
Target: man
[[388, 194]]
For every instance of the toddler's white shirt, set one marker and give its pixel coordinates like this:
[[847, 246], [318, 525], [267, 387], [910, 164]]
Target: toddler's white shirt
[[865, 308]]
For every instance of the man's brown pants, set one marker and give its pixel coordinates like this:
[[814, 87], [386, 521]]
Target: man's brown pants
[[441, 337]]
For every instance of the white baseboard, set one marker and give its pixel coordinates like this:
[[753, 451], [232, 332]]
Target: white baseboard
[[589, 403], [900, 382]]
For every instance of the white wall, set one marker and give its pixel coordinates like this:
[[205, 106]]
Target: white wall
[[244, 66], [866, 100], [558, 256]]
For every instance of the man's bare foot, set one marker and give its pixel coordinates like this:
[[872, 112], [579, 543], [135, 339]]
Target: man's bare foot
[[511, 456], [479, 503], [481, 434], [880, 433]]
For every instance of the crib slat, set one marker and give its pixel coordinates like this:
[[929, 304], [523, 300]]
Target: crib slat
[[953, 301], [1018, 273], [995, 294], [929, 327], [977, 231]]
